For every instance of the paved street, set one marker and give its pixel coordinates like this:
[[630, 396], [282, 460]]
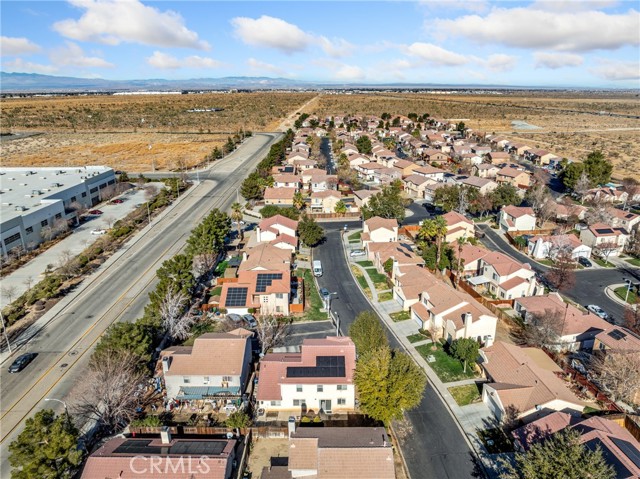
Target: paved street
[[435, 448], [117, 291]]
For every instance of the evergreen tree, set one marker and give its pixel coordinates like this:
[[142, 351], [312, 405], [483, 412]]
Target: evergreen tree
[[386, 204], [367, 332], [310, 232], [465, 350]]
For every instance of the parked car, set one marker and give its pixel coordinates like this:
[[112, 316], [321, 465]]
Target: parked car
[[584, 262], [22, 362], [357, 252], [250, 320], [236, 318], [95, 212], [235, 223], [98, 232], [117, 201], [598, 311], [324, 292]]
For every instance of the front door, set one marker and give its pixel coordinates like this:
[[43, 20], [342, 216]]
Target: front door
[[325, 405]]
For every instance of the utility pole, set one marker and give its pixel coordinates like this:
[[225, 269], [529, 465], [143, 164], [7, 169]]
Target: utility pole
[[4, 331]]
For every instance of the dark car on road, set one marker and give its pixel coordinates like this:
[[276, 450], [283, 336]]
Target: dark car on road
[[584, 262], [21, 362]]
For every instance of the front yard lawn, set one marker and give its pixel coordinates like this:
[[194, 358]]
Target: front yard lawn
[[414, 338], [314, 302], [385, 296], [400, 316], [447, 367], [365, 264], [621, 293], [380, 280], [466, 394], [602, 262], [496, 441], [362, 281], [354, 236], [546, 262], [634, 261]]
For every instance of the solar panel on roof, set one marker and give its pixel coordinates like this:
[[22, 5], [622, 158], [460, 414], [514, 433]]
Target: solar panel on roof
[[617, 334], [628, 449], [604, 231], [236, 297], [264, 280], [326, 367]]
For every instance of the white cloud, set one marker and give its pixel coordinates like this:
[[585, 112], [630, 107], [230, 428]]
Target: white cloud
[[10, 46], [271, 32], [165, 61], [337, 48], [435, 55], [500, 62], [19, 65], [349, 73], [469, 5], [72, 55], [617, 70], [263, 66], [572, 5], [531, 28], [115, 21], [557, 60]]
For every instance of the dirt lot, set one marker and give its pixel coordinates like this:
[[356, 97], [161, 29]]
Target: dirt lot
[[262, 450], [136, 133], [569, 124]]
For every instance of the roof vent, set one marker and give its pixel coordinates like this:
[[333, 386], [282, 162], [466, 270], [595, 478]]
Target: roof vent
[[20, 208]]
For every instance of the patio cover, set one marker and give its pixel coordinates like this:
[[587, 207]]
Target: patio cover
[[477, 280], [205, 392]]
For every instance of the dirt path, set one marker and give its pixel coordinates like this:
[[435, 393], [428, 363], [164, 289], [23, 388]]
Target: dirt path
[[290, 120]]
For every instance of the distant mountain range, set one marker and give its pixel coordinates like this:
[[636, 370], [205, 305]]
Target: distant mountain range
[[36, 83]]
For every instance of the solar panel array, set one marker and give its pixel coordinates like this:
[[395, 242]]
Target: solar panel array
[[137, 446], [617, 334], [236, 297], [264, 280], [326, 367], [604, 231], [628, 449], [193, 448]]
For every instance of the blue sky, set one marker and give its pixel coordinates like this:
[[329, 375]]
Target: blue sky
[[586, 43]]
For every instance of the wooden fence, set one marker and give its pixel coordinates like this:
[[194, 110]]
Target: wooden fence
[[347, 215]]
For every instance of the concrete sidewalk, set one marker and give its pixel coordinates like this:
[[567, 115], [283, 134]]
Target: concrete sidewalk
[[471, 418]]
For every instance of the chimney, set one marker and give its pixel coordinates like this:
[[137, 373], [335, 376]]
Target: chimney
[[291, 425], [165, 435], [467, 322], [166, 363]]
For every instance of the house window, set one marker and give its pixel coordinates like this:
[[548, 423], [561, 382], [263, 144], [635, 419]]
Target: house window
[[299, 402], [186, 379], [265, 299], [44, 223], [279, 295], [342, 387], [320, 388], [276, 403], [278, 309], [205, 379], [495, 277], [226, 379], [29, 230], [342, 401], [298, 388]]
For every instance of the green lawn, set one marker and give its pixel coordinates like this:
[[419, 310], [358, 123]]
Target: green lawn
[[602, 263], [496, 441], [414, 338], [365, 264], [447, 367], [467, 394], [546, 262], [385, 296], [362, 281], [354, 236], [216, 291], [634, 261], [315, 304], [621, 293], [380, 280], [400, 316], [222, 266]]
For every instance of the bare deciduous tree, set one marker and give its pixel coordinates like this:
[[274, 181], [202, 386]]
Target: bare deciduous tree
[[9, 291], [203, 263], [107, 192], [606, 249], [150, 191], [544, 328], [108, 221], [47, 233], [28, 282], [272, 332], [108, 392], [599, 213], [60, 226], [175, 322], [67, 264], [78, 207], [632, 317], [631, 187], [617, 371], [582, 185]]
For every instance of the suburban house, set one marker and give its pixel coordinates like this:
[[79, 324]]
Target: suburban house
[[482, 185], [485, 170], [319, 180], [523, 384], [264, 257], [415, 184], [568, 212], [406, 167], [431, 172], [604, 239], [550, 246], [287, 180], [266, 292], [458, 226], [497, 157], [362, 197], [303, 165], [357, 159], [471, 256], [217, 366], [436, 156], [606, 193], [517, 218], [409, 282], [430, 190], [514, 177], [505, 278], [400, 253], [297, 156], [325, 201], [620, 449], [366, 171], [540, 157], [577, 329], [278, 230], [518, 148], [279, 196], [617, 340], [319, 378], [334, 453], [453, 314], [379, 230], [164, 456], [624, 219]]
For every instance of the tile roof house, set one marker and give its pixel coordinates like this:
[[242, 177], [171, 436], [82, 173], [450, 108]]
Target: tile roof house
[[514, 177], [216, 366], [566, 211], [414, 185], [577, 328], [357, 159], [265, 256], [431, 172], [471, 256], [266, 291], [379, 230], [505, 277], [624, 219], [604, 239], [409, 282], [362, 197], [517, 218], [550, 246], [287, 180], [606, 193], [436, 156], [458, 226], [485, 170], [318, 378], [325, 201], [152, 457], [380, 253], [297, 156], [279, 196], [483, 185], [524, 383], [620, 449], [279, 231], [498, 157], [303, 165]]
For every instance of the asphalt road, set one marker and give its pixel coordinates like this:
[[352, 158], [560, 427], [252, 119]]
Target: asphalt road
[[435, 447], [590, 282], [117, 292]]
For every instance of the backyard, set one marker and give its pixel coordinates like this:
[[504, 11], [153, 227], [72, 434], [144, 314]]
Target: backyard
[[447, 367]]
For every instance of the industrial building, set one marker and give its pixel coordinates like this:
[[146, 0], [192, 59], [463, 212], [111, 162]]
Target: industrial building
[[36, 198]]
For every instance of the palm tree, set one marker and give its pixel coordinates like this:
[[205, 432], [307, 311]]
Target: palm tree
[[298, 201], [236, 215], [459, 261], [434, 230]]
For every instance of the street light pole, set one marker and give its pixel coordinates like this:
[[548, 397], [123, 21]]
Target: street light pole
[[66, 411], [626, 298], [4, 331]]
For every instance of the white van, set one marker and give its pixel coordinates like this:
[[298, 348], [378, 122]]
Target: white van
[[317, 268]]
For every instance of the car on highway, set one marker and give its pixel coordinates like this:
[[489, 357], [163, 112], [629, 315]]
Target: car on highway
[[584, 262], [98, 232], [22, 362], [236, 318], [598, 311], [95, 212], [357, 252], [250, 319], [117, 201]]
